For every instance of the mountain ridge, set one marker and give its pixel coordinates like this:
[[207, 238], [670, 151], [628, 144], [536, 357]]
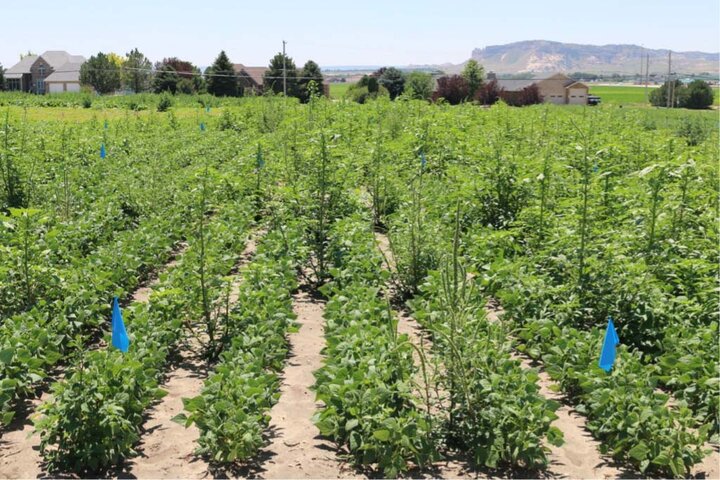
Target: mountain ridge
[[537, 56]]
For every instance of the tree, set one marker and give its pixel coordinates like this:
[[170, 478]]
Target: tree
[[222, 82], [474, 75], [394, 80], [310, 75], [137, 72], [273, 77], [529, 95], [419, 85], [489, 93], [101, 74], [166, 79], [659, 96], [2, 78], [453, 88], [699, 95]]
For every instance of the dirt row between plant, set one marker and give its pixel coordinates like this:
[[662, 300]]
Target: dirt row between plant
[[582, 461], [166, 447], [296, 449], [579, 457], [19, 448]]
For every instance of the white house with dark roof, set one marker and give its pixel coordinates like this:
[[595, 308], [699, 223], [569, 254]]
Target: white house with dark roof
[[52, 72]]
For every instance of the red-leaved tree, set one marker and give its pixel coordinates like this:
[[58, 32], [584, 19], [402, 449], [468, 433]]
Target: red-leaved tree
[[453, 88]]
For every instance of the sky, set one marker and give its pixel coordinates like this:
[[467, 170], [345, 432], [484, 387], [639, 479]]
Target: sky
[[350, 32]]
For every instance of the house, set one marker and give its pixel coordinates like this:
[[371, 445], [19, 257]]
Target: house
[[555, 88], [250, 78], [53, 71]]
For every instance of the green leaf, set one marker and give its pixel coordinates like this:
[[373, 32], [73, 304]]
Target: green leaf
[[382, 435], [6, 355], [639, 452]]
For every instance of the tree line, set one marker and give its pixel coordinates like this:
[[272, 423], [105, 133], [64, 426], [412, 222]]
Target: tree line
[[108, 72], [469, 86]]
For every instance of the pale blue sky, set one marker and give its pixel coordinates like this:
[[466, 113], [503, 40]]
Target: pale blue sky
[[346, 32]]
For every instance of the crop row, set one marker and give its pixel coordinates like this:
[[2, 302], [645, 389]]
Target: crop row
[[231, 412], [33, 342], [633, 420], [493, 410], [96, 412], [366, 382]]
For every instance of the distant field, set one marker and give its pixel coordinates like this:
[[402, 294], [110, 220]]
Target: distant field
[[628, 94], [338, 90]]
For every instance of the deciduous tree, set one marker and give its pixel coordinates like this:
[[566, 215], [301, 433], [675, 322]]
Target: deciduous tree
[[474, 75], [100, 73], [310, 75]]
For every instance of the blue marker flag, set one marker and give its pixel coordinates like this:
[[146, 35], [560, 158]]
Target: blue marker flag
[[423, 160], [607, 356], [207, 109], [103, 153], [120, 339], [106, 124], [202, 126]]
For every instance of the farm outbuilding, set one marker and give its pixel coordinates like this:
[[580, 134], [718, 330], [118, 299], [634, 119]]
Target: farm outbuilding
[[555, 88]]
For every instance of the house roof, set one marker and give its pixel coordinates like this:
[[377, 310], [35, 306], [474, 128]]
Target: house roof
[[59, 60], [512, 85], [67, 72], [576, 85], [23, 66], [255, 73]]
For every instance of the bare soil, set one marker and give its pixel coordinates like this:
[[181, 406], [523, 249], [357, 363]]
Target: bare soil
[[296, 449]]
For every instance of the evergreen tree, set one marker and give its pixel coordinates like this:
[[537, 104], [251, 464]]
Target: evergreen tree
[[2, 78], [100, 73], [222, 82], [273, 77], [474, 75], [310, 75], [166, 79], [137, 72], [393, 80]]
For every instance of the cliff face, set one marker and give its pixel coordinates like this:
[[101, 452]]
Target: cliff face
[[545, 56]]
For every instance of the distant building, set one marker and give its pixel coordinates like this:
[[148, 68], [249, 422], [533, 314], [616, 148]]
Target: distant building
[[250, 78], [52, 72], [555, 88]]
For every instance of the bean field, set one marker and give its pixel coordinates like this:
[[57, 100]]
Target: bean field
[[395, 289]]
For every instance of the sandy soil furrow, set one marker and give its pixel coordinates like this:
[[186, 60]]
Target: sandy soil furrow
[[19, 448], [166, 448], [296, 449], [579, 456]]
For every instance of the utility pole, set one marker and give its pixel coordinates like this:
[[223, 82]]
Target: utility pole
[[670, 88], [647, 75], [284, 71]]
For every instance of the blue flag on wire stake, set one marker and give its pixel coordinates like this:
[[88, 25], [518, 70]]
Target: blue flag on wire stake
[[423, 160], [103, 153], [202, 126], [607, 356], [106, 124], [207, 109], [120, 339]]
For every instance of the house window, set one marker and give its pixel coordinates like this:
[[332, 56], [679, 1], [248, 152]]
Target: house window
[[40, 86], [41, 71]]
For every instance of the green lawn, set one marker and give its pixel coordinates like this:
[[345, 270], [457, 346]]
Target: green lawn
[[338, 90], [627, 94]]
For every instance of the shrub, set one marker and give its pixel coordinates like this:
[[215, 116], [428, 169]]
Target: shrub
[[87, 102], [454, 89], [165, 103], [699, 95], [529, 95]]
